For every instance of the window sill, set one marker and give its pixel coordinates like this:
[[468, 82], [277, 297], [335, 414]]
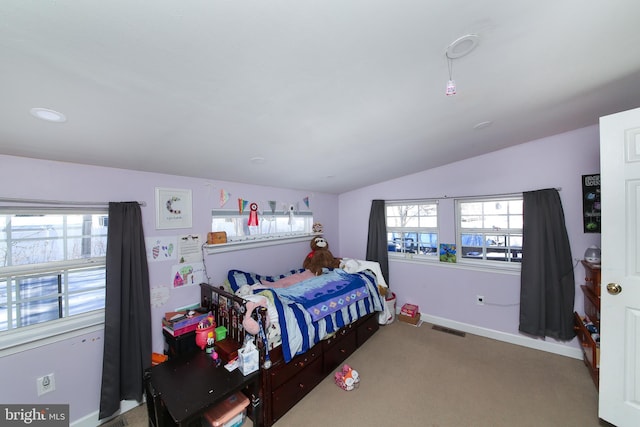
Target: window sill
[[256, 243], [497, 268], [30, 337]]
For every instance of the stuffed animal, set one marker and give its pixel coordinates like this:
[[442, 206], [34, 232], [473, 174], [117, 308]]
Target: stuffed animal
[[320, 257], [249, 323]]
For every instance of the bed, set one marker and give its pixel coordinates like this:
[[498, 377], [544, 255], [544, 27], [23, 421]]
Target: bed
[[311, 324]]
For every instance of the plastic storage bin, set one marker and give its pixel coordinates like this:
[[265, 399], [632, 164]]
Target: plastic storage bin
[[390, 300], [229, 413]]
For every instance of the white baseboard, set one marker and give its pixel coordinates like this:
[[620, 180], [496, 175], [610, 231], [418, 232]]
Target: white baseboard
[[521, 340], [92, 420]]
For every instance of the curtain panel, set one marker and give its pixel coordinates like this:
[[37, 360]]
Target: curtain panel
[[547, 285], [127, 329], [377, 240]]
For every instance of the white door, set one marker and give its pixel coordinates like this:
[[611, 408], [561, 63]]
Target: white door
[[620, 294]]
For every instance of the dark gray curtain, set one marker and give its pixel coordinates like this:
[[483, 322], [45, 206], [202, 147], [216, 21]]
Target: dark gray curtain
[[377, 241], [127, 327], [547, 286]]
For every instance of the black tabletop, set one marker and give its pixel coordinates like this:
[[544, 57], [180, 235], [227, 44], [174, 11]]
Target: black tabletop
[[191, 383]]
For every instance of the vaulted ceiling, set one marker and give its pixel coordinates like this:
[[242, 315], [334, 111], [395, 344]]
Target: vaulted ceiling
[[324, 96]]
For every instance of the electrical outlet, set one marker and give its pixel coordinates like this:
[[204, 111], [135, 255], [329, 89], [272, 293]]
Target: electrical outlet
[[479, 300], [46, 384]]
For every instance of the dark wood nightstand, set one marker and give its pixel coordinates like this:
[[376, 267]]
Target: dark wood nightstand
[[179, 390]]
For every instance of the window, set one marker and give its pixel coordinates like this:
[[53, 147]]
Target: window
[[272, 228], [52, 265], [490, 229], [412, 228]]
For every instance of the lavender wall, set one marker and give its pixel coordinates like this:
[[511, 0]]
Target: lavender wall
[[447, 293], [77, 362], [441, 291]]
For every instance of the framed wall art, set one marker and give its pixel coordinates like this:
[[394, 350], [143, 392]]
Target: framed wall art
[[447, 252], [173, 208]]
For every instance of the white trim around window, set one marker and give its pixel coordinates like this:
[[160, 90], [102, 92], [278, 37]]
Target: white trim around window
[[34, 336], [490, 228], [412, 229]]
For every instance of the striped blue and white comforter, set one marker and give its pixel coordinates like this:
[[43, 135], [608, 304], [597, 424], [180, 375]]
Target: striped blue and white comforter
[[300, 332]]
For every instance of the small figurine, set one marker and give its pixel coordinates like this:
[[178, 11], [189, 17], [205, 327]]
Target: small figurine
[[216, 359], [210, 341]]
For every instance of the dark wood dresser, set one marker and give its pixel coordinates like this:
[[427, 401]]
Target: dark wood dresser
[[587, 326]]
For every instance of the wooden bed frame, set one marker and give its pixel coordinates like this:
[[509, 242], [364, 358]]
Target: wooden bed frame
[[285, 384]]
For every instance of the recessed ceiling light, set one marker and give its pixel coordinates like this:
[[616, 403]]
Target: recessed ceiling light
[[48, 115], [462, 46], [483, 125], [257, 160]]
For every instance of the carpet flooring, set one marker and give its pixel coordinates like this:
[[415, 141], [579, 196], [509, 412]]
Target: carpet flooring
[[425, 377]]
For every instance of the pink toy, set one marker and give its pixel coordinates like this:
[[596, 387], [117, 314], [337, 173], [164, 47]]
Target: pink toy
[[203, 335], [249, 323], [216, 358], [253, 215]]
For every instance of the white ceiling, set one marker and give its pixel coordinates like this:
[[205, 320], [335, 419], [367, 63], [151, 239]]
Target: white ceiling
[[333, 94]]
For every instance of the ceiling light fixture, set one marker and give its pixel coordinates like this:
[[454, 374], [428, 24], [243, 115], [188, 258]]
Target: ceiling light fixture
[[459, 48], [48, 115], [462, 46]]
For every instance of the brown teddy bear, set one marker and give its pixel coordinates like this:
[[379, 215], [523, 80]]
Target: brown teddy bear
[[320, 256]]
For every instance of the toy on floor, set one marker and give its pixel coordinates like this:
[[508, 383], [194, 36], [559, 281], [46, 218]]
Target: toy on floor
[[347, 378]]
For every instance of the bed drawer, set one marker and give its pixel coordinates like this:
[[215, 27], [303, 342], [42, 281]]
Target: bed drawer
[[280, 374], [367, 328], [292, 391], [338, 350], [330, 342]]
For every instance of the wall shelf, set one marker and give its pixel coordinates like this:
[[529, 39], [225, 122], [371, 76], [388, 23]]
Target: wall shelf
[[256, 243]]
